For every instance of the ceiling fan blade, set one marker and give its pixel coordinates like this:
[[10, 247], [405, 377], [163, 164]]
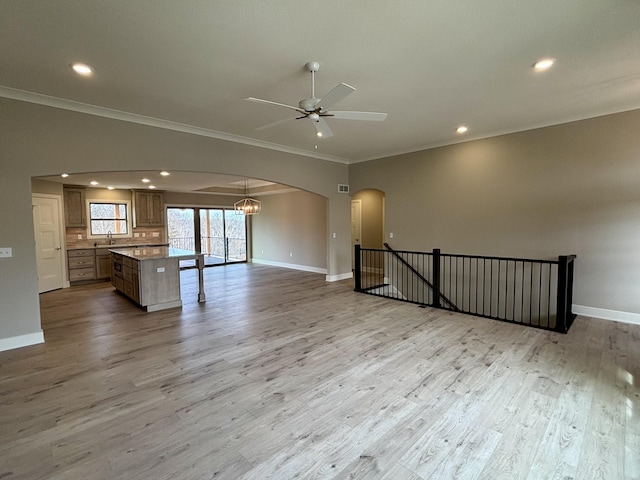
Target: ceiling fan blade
[[369, 116], [322, 128], [273, 124], [334, 96], [269, 102]]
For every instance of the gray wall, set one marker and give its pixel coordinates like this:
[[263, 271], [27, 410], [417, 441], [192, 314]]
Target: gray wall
[[291, 223], [372, 203], [567, 189], [37, 140]]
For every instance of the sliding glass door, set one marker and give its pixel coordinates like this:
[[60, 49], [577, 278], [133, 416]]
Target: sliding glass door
[[220, 234]]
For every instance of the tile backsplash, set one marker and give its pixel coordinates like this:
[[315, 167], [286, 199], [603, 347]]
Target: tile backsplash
[[146, 236]]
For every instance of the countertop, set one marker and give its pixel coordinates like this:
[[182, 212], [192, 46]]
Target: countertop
[[151, 253]]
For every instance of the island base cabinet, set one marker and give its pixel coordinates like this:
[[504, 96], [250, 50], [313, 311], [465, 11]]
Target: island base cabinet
[[159, 284], [154, 284]]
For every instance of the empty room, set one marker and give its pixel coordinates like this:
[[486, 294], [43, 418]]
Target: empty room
[[374, 240]]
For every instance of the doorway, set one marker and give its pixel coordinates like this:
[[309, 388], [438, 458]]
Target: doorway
[[47, 225], [221, 234]]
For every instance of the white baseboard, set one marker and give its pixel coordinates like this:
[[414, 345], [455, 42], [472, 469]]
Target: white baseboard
[[604, 314], [341, 276], [294, 266], [21, 341]]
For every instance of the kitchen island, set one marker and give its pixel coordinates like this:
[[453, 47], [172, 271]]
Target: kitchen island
[[150, 276]]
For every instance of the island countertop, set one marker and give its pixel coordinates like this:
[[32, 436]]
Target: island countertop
[[154, 253]]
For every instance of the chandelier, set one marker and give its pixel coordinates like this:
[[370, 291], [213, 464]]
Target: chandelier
[[248, 205]]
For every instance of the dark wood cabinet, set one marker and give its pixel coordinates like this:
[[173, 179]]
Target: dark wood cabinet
[[103, 264], [75, 207], [149, 208]]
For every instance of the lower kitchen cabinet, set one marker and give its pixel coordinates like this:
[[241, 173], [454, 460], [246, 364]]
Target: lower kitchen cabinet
[[81, 265]]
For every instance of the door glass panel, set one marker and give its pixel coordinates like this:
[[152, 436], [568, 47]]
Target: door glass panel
[[181, 230], [236, 236], [212, 236], [223, 235]]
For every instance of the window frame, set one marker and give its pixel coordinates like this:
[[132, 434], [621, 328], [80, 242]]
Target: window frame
[[129, 212]]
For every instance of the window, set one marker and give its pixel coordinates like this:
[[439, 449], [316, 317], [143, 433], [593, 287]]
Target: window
[[107, 218]]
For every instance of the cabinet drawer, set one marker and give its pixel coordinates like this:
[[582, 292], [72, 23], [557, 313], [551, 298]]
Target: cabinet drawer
[[128, 289], [82, 274], [80, 253], [119, 284], [127, 274], [127, 261], [80, 262]]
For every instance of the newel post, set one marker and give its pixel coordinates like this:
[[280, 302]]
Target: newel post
[[435, 281], [357, 268], [561, 307]]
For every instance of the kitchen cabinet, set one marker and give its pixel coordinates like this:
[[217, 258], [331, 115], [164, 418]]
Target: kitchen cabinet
[[151, 276], [75, 214], [103, 264], [149, 208], [81, 265]]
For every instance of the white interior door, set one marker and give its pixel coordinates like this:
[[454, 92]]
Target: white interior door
[[356, 227], [47, 226]]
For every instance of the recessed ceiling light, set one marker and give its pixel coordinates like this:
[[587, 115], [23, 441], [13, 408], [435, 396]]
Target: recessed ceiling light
[[82, 69], [462, 129], [145, 180], [64, 175], [109, 188], [93, 182], [544, 64], [152, 187], [164, 173], [319, 134]]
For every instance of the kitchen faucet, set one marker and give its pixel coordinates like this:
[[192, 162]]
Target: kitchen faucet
[[110, 237]]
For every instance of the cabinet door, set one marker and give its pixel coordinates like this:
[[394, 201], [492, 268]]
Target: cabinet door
[[149, 209], [74, 207], [103, 266], [156, 211], [142, 209]]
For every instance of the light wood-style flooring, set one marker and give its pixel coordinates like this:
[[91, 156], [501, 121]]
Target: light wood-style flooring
[[281, 375]]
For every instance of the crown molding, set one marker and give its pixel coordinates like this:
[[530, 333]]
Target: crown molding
[[65, 104]]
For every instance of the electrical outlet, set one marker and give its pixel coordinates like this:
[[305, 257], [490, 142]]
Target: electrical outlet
[[144, 234], [136, 235], [6, 252], [79, 236], [160, 269], [291, 254], [155, 234]]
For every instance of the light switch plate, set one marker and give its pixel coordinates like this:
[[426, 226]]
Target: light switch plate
[[6, 252]]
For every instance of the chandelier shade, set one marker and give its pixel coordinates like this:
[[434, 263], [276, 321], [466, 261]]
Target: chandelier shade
[[247, 206]]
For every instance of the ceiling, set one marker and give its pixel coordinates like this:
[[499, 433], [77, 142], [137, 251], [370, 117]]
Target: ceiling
[[430, 65]]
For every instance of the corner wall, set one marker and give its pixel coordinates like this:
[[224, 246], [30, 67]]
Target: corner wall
[[566, 189]]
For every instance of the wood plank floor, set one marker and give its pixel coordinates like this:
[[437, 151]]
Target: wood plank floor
[[281, 375]]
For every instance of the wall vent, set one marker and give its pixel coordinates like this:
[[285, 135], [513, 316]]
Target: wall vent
[[343, 188]]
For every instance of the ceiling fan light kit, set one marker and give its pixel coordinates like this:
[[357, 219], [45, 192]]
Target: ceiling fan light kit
[[317, 109]]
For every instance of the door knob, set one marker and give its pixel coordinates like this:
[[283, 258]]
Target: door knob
[[58, 248]]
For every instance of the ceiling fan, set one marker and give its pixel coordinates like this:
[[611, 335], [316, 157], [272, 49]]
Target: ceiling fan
[[316, 109]]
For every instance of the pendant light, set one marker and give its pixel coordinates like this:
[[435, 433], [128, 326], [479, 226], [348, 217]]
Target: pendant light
[[248, 205]]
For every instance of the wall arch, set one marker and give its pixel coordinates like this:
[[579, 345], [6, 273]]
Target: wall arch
[[41, 141]]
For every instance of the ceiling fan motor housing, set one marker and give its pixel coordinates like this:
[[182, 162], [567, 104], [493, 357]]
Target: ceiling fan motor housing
[[308, 104]]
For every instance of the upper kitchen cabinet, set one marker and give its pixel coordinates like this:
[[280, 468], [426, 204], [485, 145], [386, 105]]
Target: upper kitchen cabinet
[[149, 208], [74, 207]]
